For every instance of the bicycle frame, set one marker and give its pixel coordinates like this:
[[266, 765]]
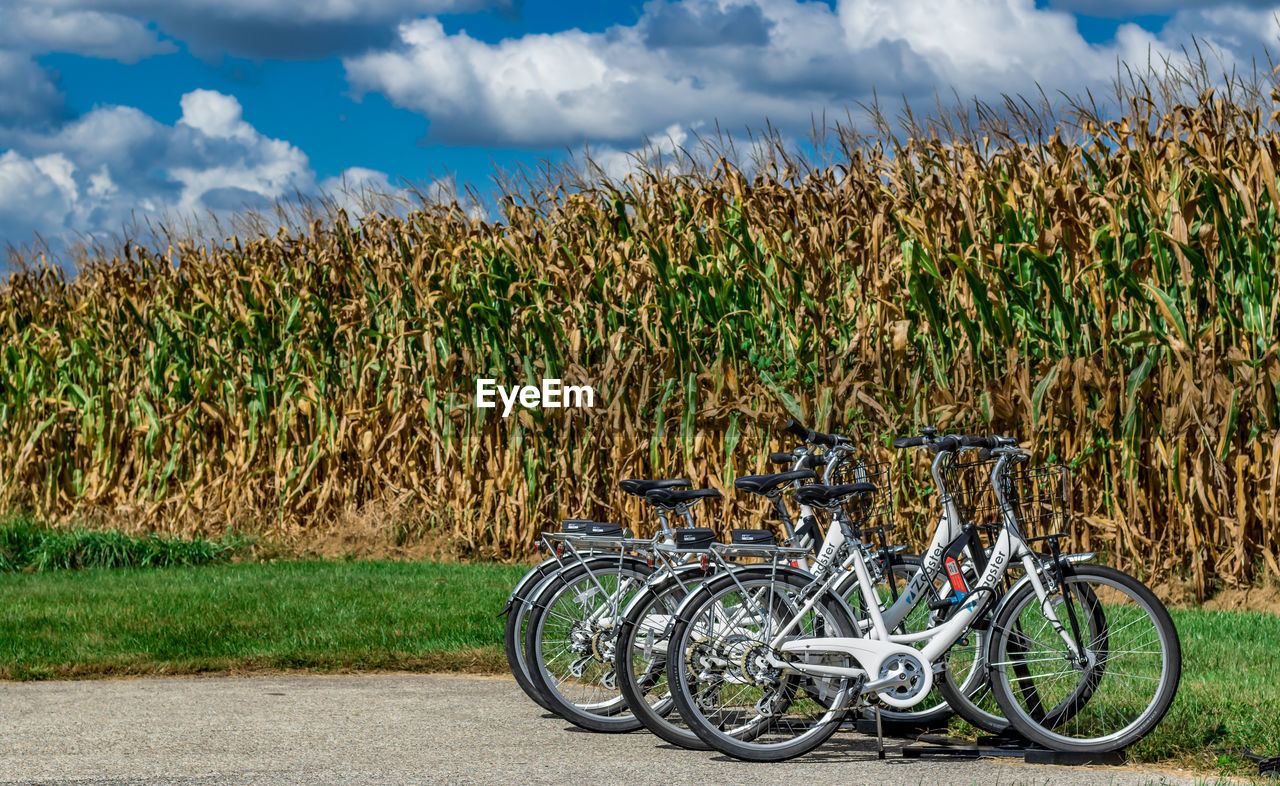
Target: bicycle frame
[[872, 652]]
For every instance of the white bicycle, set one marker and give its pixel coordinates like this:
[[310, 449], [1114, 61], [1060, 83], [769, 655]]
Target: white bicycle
[[765, 665]]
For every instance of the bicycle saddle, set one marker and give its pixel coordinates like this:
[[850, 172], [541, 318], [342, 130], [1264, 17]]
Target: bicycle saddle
[[671, 497], [639, 487], [763, 484], [829, 496]]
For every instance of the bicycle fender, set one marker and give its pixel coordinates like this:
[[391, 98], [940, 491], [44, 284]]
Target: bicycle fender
[[535, 599], [662, 585], [527, 583], [1072, 559]]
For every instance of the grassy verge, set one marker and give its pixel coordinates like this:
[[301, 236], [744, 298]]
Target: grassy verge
[[334, 616], [287, 615], [1229, 696], [27, 545]]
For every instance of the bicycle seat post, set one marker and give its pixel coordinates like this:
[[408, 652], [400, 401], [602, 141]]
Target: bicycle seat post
[[663, 525], [683, 510]]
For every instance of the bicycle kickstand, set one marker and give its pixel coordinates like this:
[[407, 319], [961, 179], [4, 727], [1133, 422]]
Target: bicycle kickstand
[[879, 735]]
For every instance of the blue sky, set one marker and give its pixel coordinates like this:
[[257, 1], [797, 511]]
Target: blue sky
[[112, 110]]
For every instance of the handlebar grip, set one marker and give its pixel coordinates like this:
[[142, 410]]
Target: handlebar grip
[[813, 461], [978, 442], [782, 458], [827, 440], [948, 444], [908, 442], [796, 427], [984, 454]]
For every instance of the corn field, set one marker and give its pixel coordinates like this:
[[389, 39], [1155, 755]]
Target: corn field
[[1111, 297]]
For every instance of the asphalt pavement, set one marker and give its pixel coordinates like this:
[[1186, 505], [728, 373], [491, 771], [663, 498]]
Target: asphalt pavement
[[405, 728]]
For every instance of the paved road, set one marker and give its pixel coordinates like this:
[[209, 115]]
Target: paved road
[[398, 729]]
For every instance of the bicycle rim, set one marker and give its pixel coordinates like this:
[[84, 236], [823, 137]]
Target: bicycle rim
[[1110, 693], [724, 686], [570, 642]]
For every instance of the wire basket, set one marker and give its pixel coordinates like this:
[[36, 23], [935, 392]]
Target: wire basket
[[868, 510], [1037, 495]]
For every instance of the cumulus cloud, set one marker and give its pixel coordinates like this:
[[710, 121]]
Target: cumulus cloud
[[741, 61], [572, 86], [40, 28], [27, 93], [273, 28], [116, 164]]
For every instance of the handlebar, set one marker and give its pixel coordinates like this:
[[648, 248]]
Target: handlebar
[[954, 442], [796, 427], [807, 460], [813, 437]]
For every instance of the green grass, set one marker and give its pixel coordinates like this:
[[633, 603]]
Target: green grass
[[26, 545], [284, 615], [1230, 691], [1229, 696], [335, 616]]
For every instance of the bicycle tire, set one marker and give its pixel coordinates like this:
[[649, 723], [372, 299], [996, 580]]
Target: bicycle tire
[[610, 712], [1048, 731]]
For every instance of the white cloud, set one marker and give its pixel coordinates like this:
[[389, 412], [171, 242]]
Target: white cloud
[[40, 28], [27, 94], [993, 47], [215, 115], [296, 11], [563, 87], [272, 28], [116, 164], [1122, 8], [29, 197], [740, 62]]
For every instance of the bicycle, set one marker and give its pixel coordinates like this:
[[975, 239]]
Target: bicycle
[[640, 650], [766, 666]]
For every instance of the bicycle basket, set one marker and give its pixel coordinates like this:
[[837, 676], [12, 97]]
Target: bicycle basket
[[1038, 496], [968, 479], [869, 510]]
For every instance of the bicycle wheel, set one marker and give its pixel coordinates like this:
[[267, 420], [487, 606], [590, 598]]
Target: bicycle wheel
[[570, 640], [1110, 670], [641, 657], [721, 672], [517, 613], [966, 684]]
